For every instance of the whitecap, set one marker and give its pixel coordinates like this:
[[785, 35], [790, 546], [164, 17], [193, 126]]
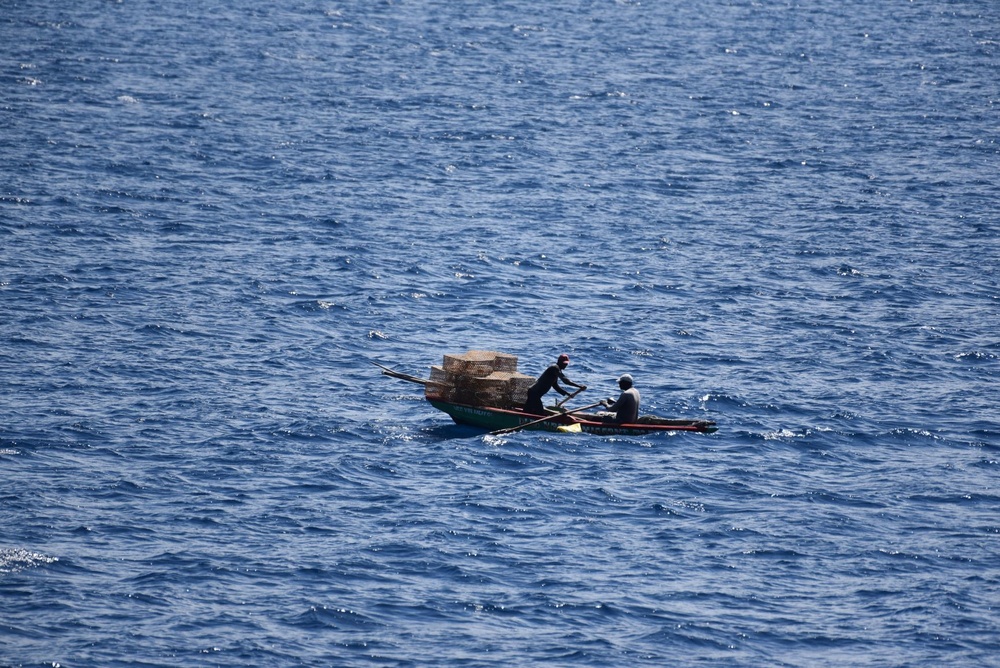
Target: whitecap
[[782, 433], [17, 559]]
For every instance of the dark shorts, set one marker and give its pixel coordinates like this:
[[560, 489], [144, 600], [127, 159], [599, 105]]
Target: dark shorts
[[534, 406]]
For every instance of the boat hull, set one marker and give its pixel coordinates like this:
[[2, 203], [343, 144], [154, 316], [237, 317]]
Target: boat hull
[[494, 419]]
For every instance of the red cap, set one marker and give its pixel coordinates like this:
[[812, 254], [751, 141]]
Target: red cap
[[564, 358]]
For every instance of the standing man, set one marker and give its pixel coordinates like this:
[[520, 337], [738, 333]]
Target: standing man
[[626, 409], [549, 380]]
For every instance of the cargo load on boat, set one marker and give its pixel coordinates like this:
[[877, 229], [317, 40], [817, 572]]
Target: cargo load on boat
[[479, 378]]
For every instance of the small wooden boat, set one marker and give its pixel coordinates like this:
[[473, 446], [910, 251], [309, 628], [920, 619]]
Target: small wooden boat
[[467, 400], [495, 419]]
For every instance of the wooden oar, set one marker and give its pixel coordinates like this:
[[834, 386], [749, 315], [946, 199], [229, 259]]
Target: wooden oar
[[544, 419], [569, 396]]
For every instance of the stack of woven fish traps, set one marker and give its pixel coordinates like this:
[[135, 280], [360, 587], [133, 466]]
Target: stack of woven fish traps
[[479, 378]]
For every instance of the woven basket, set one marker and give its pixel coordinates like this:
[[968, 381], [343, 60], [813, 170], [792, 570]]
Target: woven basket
[[505, 363], [517, 388], [480, 378], [467, 365], [441, 387]]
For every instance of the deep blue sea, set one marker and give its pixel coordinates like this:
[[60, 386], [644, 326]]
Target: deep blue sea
[[782, 216]]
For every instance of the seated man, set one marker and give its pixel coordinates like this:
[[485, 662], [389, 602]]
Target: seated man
[[626, 409]]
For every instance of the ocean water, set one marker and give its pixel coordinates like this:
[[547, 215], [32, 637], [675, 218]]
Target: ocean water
[[784, 217]]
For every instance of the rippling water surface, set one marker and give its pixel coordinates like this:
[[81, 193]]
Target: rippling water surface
[[780, 217]]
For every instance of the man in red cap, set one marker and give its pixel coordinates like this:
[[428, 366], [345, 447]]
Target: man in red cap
[[549, 380]]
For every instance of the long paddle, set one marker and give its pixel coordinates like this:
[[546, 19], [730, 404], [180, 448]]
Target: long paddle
[[386, 371], [550, 417], [569, 396]]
